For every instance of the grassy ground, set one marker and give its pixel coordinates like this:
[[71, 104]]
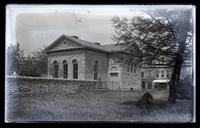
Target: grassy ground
[[95, 105]]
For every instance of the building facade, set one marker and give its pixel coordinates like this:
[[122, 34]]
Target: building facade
[[116, 65], [157, 75]]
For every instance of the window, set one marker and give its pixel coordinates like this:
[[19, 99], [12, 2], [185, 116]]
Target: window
[[143, 84], [162, 74], [142, 74], [168, 74], [157, 73], [114, 74], [161, 86], [75, 69], [65, 42], [114, 69], [95, 70], [65, 69], [135, 68], [128, 67], [131, 67], [55, 65], [149, 85]]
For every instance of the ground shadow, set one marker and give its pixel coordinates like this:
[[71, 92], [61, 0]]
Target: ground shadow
[[157, 105]]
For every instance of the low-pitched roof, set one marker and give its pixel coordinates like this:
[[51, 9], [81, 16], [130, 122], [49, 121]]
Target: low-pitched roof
[[92, 45]]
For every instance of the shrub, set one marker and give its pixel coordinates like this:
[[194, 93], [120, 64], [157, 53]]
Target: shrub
[[146, 101], [29, 73]]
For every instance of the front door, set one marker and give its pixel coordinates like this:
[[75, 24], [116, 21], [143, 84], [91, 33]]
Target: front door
[[114, 80], [114, 77]]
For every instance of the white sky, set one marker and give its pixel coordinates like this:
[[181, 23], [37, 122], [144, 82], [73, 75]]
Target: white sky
[[35, 26]]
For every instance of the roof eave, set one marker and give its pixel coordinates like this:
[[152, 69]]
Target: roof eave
[[47, 48], [85, 47], [58, 50]]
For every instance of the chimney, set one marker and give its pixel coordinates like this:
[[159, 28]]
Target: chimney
[[97, 43], [75, 37]]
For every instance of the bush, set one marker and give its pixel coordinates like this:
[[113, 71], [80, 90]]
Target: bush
[[29, 73], [146, 101]]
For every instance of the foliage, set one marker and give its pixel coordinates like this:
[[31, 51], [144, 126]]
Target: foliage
[[155, 38], [166, 34], [26, 66], [15, 56], [40, 57]]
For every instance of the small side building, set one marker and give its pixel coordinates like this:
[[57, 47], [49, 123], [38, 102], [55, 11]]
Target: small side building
[[156, 76]]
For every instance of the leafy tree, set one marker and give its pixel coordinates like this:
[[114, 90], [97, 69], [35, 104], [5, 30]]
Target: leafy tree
[[36, 64], [159, 36], [40, 58], [15, 57], [181, 24], [26, 66]]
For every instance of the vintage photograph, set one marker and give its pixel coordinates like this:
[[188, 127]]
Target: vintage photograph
[[121, 63]]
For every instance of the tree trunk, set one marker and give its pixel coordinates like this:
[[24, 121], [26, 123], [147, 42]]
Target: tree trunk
[[176, 73]]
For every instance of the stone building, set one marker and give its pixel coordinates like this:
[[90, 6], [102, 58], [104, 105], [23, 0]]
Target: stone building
[[118, 66], [156, 76]]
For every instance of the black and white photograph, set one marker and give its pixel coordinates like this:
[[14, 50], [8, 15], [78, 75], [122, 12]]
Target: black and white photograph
[[100, 63]]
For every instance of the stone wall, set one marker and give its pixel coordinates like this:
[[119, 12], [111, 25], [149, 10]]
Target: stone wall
[[102, 59], [33, 85], [128, 79], [131, 78], [69, 56]]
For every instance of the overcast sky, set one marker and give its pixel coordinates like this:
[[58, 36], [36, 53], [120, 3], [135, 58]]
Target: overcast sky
[[37, 26]]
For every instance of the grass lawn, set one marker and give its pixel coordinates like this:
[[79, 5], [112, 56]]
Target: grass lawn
[[95, 105]]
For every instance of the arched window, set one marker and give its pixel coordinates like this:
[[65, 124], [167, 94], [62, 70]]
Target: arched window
[[95, 70], [65, 69], [75, 69], [114, 71], [131, 67], [142, 74], [135, 68], [143, 84], [55, 66]]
